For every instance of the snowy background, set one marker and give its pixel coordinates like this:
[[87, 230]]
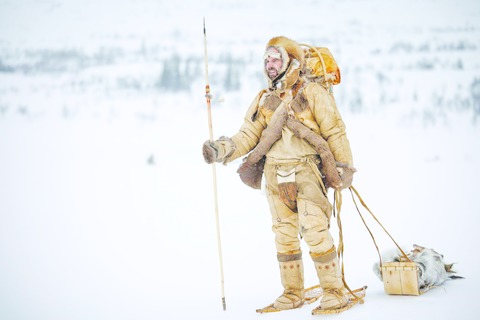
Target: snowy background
[[106, 205]]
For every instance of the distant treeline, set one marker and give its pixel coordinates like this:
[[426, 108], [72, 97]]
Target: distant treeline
[[374, 85]]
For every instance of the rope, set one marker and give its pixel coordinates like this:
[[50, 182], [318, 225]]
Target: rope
[[366, 226], [317, 173], [375, 218], [337, 205]]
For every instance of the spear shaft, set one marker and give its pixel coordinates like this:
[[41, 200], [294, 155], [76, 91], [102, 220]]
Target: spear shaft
[[208, 96]]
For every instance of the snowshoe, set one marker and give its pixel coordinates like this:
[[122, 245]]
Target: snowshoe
[[354, 297]]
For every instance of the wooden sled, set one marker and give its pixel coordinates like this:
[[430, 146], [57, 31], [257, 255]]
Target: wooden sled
[[399, 277]]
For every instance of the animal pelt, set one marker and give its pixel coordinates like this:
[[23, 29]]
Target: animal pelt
[[251, 173], [288, 193], [273, 132], [329, 167], [433, 271]]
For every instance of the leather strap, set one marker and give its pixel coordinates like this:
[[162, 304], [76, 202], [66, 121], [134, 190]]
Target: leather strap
[[352, 191]]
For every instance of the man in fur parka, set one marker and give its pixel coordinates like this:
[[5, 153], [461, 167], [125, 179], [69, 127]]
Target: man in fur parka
[[295, 137]]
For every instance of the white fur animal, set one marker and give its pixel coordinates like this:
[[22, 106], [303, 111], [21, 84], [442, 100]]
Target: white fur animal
[[433, 271]]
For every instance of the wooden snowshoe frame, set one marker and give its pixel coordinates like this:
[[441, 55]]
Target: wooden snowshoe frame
[[314, 293], [399, 278]]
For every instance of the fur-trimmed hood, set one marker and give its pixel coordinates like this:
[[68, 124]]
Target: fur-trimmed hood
[[293, 58]]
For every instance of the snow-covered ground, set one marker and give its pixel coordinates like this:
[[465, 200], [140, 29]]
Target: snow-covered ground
[[106, 206]]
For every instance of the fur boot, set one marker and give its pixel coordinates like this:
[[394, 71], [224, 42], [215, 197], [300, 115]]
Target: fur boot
[[330, 276], [291, 273]]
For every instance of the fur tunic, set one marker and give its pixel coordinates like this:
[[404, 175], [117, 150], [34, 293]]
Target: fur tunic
[[283, 127]]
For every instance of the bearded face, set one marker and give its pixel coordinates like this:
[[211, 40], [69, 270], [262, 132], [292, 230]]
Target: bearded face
[[273, 62]]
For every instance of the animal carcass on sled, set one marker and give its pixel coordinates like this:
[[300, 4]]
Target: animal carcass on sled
[[421, 270]]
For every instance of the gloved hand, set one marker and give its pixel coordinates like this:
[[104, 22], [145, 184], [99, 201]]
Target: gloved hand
[[346, 174], [210, 151], [218, 150]]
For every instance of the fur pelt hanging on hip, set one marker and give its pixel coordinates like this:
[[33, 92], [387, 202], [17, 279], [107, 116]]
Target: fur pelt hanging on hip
[[251, 173]]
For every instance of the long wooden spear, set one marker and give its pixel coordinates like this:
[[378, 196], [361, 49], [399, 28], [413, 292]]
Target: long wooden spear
[[208, 96]]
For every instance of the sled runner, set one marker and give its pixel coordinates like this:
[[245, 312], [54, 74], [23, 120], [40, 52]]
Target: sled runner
[[314, 293]]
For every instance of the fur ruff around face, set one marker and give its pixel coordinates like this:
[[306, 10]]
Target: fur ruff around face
[[293, 58], [288, 46]]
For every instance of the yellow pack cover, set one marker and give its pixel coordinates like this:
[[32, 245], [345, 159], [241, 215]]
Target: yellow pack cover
[[319, 62]]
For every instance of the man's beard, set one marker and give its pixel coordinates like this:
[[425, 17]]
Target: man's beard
[[272, 73]]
